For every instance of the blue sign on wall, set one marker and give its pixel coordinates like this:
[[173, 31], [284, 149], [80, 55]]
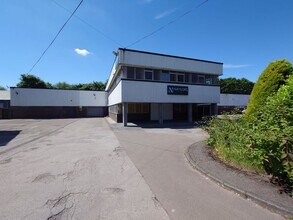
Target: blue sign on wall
[[177, 90]]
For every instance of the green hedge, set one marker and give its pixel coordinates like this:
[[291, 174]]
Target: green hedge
[[265, 144], [268, 83]]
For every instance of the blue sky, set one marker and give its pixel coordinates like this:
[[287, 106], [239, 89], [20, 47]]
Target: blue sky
[[243, 34]]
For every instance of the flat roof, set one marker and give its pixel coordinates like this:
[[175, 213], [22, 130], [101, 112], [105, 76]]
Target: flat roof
[[15, 87], [167, 55]]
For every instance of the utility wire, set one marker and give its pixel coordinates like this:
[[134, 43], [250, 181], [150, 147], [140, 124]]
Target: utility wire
[[169, 23], [88, 24], [55, 37]]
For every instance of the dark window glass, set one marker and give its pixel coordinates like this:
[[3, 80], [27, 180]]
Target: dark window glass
[[131, 108], [139, 73], [201, 79], [208, 80], [145, 108], [138, 108], [187, 77], [215, 80], [180, 78], [194, 78], [172, 77], [148, 75], [157, 75], [130, 73], [165, 76]]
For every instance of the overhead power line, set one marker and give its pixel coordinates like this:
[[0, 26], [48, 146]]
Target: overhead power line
[[44, 52], [88, 24], [169, 23]]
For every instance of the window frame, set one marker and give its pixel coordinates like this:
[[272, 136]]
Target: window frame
[[180, 74], [203, 77], [149, 71]]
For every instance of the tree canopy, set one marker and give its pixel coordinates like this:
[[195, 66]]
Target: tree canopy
[[31, 81], [2, 88], [268, 83], [236, 86]]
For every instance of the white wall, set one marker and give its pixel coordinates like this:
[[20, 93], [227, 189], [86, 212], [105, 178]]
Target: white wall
[[115, 96], [233, 100], [155, 92], [165, 62], [52, 97], [167, 111], [4, 95]]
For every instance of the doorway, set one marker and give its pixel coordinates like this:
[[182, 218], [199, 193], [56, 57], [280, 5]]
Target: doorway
[[180, 112]]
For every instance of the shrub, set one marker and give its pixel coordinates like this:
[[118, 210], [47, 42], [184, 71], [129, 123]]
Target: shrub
[[234, 142], [276, 120], [267, 84], [264, 144]]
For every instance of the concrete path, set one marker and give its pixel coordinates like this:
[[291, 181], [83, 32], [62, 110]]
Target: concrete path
[[183, 192], [69, 169]]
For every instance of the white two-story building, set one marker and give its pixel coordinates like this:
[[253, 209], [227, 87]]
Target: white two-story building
[[146, 86]]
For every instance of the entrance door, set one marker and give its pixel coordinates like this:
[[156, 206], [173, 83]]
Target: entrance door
[[180, 112]]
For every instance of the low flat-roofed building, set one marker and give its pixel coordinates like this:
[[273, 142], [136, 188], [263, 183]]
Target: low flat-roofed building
[[57, 103], [146, 86]]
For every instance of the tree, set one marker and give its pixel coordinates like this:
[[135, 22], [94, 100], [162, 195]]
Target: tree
[[31, 81], [95, 86], [2, 88], [236, 86], [271, 79], [62, 85]]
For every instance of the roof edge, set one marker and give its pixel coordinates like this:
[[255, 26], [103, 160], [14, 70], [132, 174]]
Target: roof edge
[[167, 55]]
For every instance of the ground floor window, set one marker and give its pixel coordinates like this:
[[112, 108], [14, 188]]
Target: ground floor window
[[138, 108], [116, 109]]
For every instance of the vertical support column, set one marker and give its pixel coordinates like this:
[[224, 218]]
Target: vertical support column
[[124, 113], [160, 113], [190, 113], [214, 108], [196, 112]]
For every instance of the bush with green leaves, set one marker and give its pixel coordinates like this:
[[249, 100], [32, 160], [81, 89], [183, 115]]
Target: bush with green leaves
[[232, 140], [268, 84], [276, 121], [265, 144]]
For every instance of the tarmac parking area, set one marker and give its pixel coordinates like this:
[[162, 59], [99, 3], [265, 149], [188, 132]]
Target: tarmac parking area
[[69, 169]]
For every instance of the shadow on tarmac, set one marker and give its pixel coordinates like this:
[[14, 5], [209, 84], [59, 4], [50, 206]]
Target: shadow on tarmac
[[7, 136]]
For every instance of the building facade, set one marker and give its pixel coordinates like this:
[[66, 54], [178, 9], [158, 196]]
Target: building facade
[[146, 86], [230, 102], [57, 103]]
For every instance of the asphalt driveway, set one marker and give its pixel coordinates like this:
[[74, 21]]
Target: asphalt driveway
[[184, 193], [69, 169]]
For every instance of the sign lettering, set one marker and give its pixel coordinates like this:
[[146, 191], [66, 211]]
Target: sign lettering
[[177, 90]]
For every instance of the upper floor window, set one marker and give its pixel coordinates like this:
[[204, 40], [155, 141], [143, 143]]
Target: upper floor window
[[208, 80], [201, 79], [165, 75], [130, 73], [173, 77], [180, 77], [194, 78], [148, 74]]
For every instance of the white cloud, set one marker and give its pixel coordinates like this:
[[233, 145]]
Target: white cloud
[[236, 66], [82, 52], [165, 13]]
